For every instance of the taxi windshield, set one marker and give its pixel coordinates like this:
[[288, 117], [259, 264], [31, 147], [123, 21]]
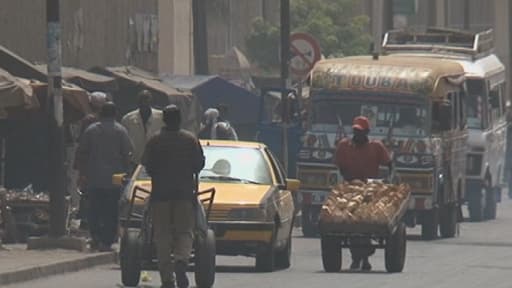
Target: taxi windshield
[[235, 164], [231, 165]]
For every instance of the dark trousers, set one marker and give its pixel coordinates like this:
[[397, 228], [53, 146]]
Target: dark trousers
[[103, 215], [360, 253]]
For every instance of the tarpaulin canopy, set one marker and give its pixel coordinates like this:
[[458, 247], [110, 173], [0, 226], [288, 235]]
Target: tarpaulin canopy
[[85, 79], [16, 92], [76, 99], [20, 67], [214, 91], [131, 80]]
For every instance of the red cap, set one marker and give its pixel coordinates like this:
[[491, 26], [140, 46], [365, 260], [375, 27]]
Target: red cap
[[361, 123]]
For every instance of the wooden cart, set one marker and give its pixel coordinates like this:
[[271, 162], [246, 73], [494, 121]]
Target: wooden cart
[[390, 236], [137, 251]]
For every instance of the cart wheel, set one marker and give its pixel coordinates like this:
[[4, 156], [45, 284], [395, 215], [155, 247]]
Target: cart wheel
[[331, 254], [448, 224], [283, 256], [395, 250], [205, 261], [130, 257]]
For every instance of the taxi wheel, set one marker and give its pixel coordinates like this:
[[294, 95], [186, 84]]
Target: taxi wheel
[[265, 259], [130, 258], [205, 262], [283, 256]]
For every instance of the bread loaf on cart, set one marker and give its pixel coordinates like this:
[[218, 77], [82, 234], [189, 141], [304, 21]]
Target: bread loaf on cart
[[373, 210]]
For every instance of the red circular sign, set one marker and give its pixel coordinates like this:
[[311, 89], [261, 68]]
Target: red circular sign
[[305, 52]]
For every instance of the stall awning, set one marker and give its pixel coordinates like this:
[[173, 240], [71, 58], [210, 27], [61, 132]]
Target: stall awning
[[85, 79], [16, 92]]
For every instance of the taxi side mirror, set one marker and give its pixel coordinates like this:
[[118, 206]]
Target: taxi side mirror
[[292, 184], [119, 179]]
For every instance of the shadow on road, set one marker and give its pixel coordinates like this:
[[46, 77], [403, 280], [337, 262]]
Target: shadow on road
[[234, 269], [348, 271]]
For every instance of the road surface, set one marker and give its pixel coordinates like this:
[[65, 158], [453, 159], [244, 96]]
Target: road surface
[[480, 257]]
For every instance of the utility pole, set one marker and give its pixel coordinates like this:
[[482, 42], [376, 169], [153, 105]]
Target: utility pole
[[57, 184], [285, 58], [467, 13], [200, 37]]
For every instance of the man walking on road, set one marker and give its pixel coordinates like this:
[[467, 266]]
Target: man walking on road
[[172, 158], [105, 149], [143, 123], [359, 159]]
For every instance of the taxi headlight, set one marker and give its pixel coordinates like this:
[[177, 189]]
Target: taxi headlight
[[247, 214]]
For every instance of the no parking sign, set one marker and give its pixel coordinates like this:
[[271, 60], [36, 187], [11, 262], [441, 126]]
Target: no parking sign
[[305, 52]]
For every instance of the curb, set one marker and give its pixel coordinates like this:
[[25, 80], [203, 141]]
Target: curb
[[57, 268]]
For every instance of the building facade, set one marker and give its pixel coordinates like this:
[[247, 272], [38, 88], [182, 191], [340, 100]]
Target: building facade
[[155, 35]]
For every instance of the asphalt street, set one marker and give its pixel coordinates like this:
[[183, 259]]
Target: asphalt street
[[481, 256]]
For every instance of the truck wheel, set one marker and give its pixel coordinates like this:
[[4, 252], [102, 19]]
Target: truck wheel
[[309, 229], [476, 204], [491, 204], [448, 223], [331, 254], [130, 257], [205, 261], [395, 250], [429, 225]]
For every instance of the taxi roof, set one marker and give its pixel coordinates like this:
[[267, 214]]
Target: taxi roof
[[235, 144]]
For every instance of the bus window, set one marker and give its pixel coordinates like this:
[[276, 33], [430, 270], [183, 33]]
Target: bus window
[[475, 107]]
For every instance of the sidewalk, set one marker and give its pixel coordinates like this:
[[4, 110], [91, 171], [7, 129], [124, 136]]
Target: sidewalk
[[17, 264]]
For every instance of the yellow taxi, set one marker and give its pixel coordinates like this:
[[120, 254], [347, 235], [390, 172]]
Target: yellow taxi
[[253, 210]]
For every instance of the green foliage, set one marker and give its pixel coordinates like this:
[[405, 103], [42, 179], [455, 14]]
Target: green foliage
[[263, 44], [337, 24]]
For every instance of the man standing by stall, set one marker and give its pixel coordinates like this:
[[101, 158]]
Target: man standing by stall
[[359, 159], [142, 123]]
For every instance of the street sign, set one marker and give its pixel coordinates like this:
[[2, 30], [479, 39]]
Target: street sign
[[305, 52]]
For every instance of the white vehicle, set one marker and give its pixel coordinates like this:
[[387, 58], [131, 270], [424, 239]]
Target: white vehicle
[[486, 106]]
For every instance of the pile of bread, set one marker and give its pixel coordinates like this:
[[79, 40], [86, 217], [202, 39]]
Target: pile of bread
[[360, 202]]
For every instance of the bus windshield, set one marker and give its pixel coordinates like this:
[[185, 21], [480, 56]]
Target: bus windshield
[[406, 119]]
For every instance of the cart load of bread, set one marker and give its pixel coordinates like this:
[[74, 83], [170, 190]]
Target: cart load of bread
[[358, 202]]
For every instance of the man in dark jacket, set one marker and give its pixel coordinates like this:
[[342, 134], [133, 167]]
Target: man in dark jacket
[[105, 149], [172, 158]]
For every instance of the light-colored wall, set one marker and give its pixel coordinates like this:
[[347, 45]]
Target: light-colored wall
[[104, 33], [175, 37]]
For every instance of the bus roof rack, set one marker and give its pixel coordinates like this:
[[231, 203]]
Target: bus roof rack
[[441, 41]]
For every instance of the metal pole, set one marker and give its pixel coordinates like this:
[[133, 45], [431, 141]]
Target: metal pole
[[200, 37], [285, 51], [57, 184], [467, 13]]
